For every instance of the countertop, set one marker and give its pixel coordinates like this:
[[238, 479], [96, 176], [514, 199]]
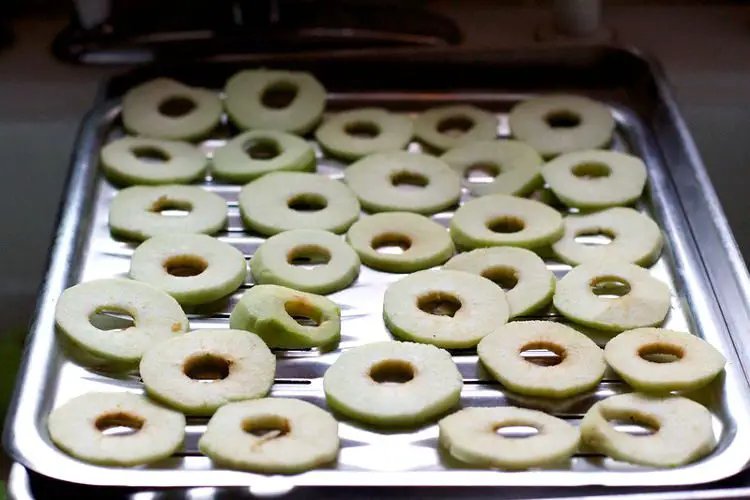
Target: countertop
[[705, 51]]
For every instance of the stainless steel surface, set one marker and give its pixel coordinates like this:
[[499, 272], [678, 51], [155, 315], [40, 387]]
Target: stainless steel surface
[[85, 250], [18, 486]]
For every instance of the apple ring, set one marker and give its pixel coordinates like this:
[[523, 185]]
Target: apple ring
[[502, 220], [581, 366], [403, 182], [448, 127], [79, 427], [697, 362], [635, 237], [683, 430], [270, 311], [514, 166], [273, 261], [238, 365], [178, 162], [156, 316], [271, 435], [449, 309], [282, 201], [556, 124], [167, 109], [424, 242], [596, 179], [249, 92], [138, 212], [524, 276], [470, 435], [393, 383], [259, 152], [356, 133], [640, 299], [192, 268]]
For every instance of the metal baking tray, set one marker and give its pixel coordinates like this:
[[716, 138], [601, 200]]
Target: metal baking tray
[[700, 263]]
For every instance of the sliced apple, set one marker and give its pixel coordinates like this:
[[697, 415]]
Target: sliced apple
[[272, 435], [393, 383]]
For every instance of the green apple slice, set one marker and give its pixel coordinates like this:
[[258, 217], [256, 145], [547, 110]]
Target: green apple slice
[[192, 268], [393, 383], [524, 276], [474, 436], [683, 430], [612, 296], [423, 242], [403, 182], [450, 309], [259, 152], [512, 167], [282, 201], [82, 427], [156, 315], [140, 160], [202, 370], [690, 362], [141, 212], [271, 435], [448, 127], [270, 311], [594, 180], [356, 133], [281, 260], [167, 109], [580, 368], [618, 233], [288, 101], [557, 124], [502, 220]]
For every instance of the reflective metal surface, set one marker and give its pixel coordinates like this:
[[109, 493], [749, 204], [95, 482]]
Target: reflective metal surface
[[85, 250]]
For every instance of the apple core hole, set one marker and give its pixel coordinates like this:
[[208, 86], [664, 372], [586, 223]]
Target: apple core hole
[[207, 367], [392, 371]]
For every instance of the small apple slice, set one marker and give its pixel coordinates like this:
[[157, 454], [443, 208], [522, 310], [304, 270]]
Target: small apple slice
[[447, 127], [192, 268], [449, 309], [687, 362], [594, 180], [580, 367], [423, 242], [167, 109], [558, 123], [280, 261], [138, 212], [524, 276], [125, 161], [683, 431], [156, 317], [204, 369], [356, 133], [502, 220], [258, 152], [403, 182], [474, 436], [272, 313], [634, 237], [116, 428], [281, 201], [612, 296], [272, 99], [271, 435], [393, 383], [515, 168]]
